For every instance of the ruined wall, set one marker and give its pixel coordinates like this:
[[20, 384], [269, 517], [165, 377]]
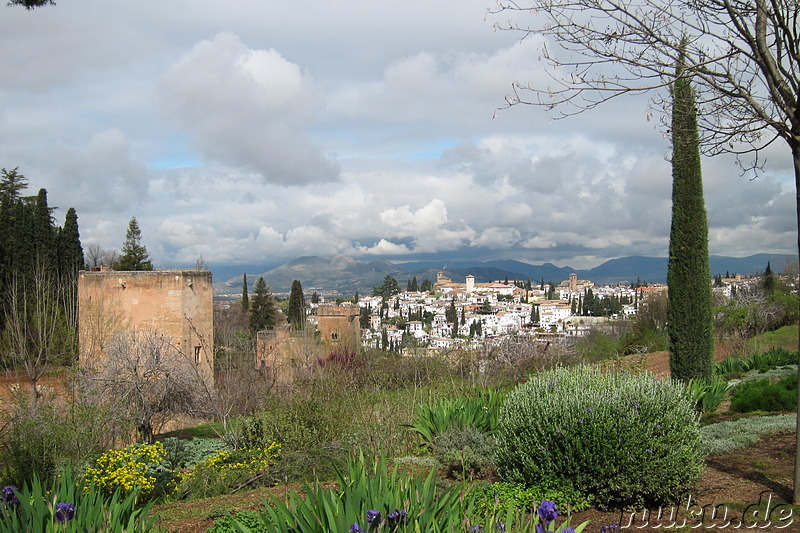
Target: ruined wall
[[339, 323], [177, 303]]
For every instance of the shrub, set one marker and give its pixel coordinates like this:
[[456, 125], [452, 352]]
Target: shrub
[[735, 434], [464, 452], [137, 467], [227, 469], [762, 395], [181, 454], [625, 439]]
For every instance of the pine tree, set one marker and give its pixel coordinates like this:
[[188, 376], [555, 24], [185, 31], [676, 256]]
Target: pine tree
[[245, 296], [263, 309], [689, 309], [134, 255], [412, 285], [314, 297], [296, 310]]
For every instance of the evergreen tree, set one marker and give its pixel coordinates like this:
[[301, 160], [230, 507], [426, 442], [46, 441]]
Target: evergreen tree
[[388, 289], [12, 183], [426, 286], [296, 310], [245, 296], [70, 251], [463, 317], [451, 315], [355, 298], [134, 255], [364, 317], [45, 250], [768, 280], [263, 309], [689, 309]]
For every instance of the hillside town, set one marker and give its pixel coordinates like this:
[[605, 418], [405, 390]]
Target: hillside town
[[453, 314]]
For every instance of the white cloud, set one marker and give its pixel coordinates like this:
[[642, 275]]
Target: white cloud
[[248, 108]]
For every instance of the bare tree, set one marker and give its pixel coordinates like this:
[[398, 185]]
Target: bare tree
[[144, 373], [35, 325], [97, 256], [742, 57]]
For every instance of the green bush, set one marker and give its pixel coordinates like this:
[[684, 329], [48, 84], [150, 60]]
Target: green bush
[[464, 452], [763, 395], [625, 439], [226, 469]]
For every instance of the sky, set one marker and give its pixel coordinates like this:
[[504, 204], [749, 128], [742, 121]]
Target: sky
[[255, 132]]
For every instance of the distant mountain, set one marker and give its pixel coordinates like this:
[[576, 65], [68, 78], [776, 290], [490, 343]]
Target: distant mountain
[[342, 275]]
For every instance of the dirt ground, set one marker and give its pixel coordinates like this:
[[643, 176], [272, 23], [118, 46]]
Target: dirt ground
[[722, 500]]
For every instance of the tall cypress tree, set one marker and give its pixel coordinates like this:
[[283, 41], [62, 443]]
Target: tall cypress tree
[[296, 310], [689, 311], [245, 297], [70, 251]]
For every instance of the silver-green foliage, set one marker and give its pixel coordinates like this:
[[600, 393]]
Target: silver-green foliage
[[735, 434], [624, 439]]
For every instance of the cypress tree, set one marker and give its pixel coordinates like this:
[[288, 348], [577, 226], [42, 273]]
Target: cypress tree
[[689, 310], [44, 234], [296, 310], [70, 251], [245, 296], [134, 254]]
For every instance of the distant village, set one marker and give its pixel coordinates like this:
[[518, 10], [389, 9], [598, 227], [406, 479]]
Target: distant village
[[455, 313]]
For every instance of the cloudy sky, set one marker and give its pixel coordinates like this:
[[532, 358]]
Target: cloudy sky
[[255, 131]]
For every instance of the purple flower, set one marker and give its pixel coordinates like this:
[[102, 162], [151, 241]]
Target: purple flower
[[65, 512], [397, 517], [547, 511], [373, 518], [476, 528], [10, 495], [568, 530], [355, 528], [611, 528], [500, 527], [540, 528]]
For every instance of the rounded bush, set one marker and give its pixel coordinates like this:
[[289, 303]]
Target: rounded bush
[[622, 439]]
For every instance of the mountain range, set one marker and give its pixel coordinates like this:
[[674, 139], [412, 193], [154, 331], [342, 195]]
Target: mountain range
[[343, 276]]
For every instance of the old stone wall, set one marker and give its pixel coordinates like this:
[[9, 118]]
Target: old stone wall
[[177, 303]]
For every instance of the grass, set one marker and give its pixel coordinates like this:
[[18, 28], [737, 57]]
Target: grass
[[206, 431], [785, 337]]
